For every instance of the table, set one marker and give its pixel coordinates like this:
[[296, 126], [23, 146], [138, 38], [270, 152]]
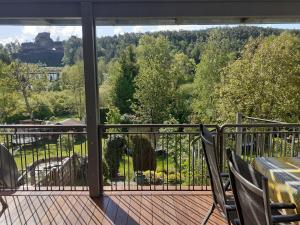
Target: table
[[284, 178]]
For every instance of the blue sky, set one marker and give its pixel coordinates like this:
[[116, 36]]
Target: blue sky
[[27, 33]]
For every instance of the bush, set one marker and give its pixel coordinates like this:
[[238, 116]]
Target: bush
[[153, 177], [42, 112], [143, 153], [105, 171], [174, 178], [16, 118], [113, 154], [66, 142]]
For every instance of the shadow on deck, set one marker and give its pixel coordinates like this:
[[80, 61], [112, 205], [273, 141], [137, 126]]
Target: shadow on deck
[[145, 207]]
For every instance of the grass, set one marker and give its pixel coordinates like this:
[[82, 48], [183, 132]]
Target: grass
[[61, 118], [26, 157]]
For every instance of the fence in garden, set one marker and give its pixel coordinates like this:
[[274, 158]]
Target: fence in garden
[[135, 157]]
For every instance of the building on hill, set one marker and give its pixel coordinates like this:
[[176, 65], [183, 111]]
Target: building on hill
[[43, 50], [53, 73]]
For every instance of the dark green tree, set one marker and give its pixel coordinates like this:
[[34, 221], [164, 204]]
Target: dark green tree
[[72, 50], [121, 79]]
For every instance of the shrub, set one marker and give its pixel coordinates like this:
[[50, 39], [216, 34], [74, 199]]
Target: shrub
[[153, 177], [42, 112], [113, 154], [174, 178], [66, 142], [143, 153], [105, 171]]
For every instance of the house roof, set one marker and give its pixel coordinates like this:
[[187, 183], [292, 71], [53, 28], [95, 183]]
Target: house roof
[[113, 12]]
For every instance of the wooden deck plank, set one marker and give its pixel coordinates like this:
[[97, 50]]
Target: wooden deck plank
[[124, 207]]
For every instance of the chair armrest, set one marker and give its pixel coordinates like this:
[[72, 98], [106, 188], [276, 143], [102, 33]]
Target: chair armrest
[[282, 205], [236, 222], [285, 218], [227, 185], [226, 175]]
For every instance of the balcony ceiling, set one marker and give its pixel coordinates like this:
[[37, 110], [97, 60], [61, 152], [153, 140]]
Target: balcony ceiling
[[131, 12]]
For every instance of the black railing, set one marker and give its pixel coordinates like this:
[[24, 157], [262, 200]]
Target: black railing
[[267, 139], [156, 157], [36, 157]]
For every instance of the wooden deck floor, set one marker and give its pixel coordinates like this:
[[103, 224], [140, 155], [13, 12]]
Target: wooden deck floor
[[45, 207]]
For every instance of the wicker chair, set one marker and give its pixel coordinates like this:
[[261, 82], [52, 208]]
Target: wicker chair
[[252, 201]]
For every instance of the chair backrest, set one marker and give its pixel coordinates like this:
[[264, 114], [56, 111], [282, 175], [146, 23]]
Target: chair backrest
[[208, 144], [252, 202], [8, 168], [245, 169]]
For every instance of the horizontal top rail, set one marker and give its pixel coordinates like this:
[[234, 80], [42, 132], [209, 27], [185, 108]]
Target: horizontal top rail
[[260, 125], [156, 125], [40, 126], [262, 120]]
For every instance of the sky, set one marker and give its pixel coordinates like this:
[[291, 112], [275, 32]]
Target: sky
[[27, 33]]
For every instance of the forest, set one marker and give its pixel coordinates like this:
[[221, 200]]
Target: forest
[[164, 77]]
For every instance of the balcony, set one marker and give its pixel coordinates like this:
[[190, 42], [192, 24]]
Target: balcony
[[76, 207], [161, 175]]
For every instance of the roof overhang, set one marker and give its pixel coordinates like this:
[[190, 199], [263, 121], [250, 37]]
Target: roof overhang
[[150, 12]]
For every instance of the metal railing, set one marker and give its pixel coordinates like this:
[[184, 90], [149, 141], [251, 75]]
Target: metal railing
[[260, 139], [156, 157], [37, 157]]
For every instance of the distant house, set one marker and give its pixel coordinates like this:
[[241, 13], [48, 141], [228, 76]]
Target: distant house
[[53, 73]]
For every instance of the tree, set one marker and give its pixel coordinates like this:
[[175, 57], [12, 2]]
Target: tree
[[8, 98], [72, 51], [73, 81], [265, 81], [102, 71], [121, 79], [215, 57], [4, 56], [183, 72], [26, 78], [154, 83]]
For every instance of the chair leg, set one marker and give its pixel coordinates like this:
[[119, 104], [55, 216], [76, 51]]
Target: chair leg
[[212, 208], [4, 205]]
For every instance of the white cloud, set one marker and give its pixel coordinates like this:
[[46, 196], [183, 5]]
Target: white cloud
[[5, 41], [137, 29], [62, 32], [118, 30]]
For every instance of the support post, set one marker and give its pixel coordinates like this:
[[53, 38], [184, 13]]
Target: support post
[[95, 178], [239, 136]]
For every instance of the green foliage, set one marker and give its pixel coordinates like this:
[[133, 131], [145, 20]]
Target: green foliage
[[4, 56], [72, 79], [66, 142], [143, 153], [215, 57], [25, 79], [121, 76], [113, 116], [102, 70], [152, 177], [265, 81], [114, 150], [174, 178], [154, 83], [72, 51], [42, 111]]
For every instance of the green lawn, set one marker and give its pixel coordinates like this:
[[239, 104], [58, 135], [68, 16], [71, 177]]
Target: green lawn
[[26, 157]]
